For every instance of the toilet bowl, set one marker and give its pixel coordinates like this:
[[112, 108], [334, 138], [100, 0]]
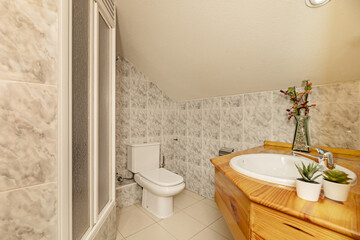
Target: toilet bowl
[[159, 185]]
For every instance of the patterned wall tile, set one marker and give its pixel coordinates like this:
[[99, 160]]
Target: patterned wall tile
[[211, 103], [194, 123], [122, 91], [123, 126], [108, 229], [154, 122], [194, 178], [28, 126], [128, 195], [194, 105], [257, 124], [138, 92], [211, 123], [29, 41], [29, 213], [208, 182], [155, 97], [169, 124], [210, 149], [282, 128], [138, 123], [194, 151], [232, 101], [231, 124], [260, 99]]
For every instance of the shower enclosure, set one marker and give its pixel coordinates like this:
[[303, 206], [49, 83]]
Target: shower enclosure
[[91, 116]]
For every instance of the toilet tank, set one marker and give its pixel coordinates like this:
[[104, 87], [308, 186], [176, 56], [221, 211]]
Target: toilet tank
[[142, 157]]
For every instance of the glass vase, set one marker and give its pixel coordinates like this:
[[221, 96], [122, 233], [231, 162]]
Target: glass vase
[[301, 136]]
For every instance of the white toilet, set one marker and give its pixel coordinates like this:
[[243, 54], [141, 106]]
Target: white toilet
[[159, 185]]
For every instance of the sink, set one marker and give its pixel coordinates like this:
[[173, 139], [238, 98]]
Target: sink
[[275, 168]]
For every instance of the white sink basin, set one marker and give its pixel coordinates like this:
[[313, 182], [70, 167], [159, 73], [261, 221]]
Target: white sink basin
[[275, 168]]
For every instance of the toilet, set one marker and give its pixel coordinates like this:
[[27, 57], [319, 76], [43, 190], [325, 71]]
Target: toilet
[[159, 185]]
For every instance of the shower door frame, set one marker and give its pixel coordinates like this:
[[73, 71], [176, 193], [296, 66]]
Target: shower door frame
[[64, 224]]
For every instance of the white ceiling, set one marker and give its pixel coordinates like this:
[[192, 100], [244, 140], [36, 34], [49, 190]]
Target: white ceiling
[[205, 48]]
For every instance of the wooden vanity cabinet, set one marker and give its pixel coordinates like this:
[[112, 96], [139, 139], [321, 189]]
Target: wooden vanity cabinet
[[250, 220]]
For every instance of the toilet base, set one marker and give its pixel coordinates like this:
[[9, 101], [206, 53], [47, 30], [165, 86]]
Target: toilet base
[[161, 207]]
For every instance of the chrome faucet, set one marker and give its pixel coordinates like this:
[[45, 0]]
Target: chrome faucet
[[324, 156]]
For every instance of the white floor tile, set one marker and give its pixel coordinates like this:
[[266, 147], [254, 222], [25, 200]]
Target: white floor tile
[[182, 226], [210, 202], [208, 234], [153, 232], [203, 213], [220, 227], [182, 201], [133, 221], [192, 194], [118, 236], [156, 219]]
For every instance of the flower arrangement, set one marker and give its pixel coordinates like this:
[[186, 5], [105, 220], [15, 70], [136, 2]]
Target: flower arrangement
[[299, 99]]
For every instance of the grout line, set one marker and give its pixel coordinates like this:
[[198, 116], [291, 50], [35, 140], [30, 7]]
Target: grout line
[[30, 83], [27, 187]]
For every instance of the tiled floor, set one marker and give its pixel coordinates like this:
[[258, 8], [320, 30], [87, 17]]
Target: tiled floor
[[195, 217]]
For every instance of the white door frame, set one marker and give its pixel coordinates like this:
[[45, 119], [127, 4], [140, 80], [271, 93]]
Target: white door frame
[[64, 121]]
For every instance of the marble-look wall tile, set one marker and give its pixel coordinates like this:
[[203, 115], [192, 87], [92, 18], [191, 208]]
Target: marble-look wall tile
[[257, 124], [211, 123], [210, 149], [194, 178], [28, 130], [154, 123], [29, 36], [181, 154], [139, 119], [194, 123], [128, 195], [155, 97], [211, 103], [138, 93], [108, 229], [208, 182], [29, 213], [194, 105], [231, 124], [260, 99], [169, 123], [232, 101], [345, 92], [168, 104], [122, 91], [194, 151], [123, 126]]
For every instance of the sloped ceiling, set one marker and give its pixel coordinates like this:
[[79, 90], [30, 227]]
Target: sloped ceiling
[[205, 48]]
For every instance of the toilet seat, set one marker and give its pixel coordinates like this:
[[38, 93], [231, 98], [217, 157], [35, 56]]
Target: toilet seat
[[162, 177]]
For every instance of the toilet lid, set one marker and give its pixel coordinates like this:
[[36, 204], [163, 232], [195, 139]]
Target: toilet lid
[[162, 177]]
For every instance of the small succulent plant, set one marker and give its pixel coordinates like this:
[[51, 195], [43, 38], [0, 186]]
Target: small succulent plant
[[336, 176], [308, 172]]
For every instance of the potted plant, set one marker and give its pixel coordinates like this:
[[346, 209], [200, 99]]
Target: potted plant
[[336, 185], [306, 186]]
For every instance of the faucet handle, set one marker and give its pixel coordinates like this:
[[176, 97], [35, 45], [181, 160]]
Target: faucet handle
[[319, 150], [325, 155]]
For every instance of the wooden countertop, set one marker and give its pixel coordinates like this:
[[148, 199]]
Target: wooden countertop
[[340, 217]]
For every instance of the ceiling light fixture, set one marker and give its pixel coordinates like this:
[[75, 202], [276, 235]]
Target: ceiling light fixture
[[316, 3]]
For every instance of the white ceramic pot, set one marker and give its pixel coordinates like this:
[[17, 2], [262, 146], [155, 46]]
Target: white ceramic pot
[[336, 191], [308, 191]]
